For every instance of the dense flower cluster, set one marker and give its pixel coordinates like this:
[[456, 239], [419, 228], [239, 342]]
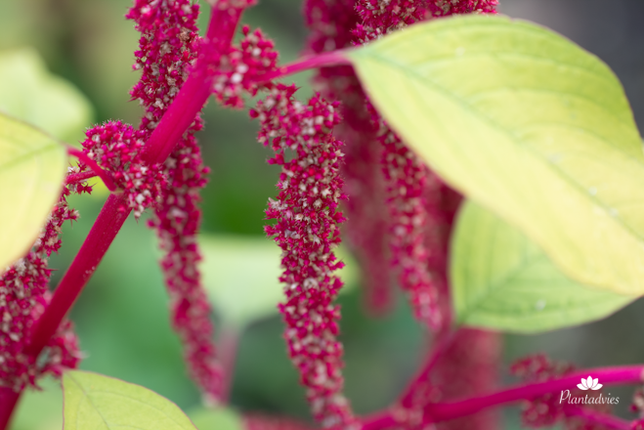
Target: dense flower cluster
[[116, 147], [378, 18], [240, 70], [168, 46], [307, 215], [452, 7], [24, 295]]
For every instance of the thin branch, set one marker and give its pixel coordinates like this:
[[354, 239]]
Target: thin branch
[[607, 375], [422, 378], [438, 412], [107, 180], [79, 177], [8, 401], [100, 237], [228, 346], [326, 59]]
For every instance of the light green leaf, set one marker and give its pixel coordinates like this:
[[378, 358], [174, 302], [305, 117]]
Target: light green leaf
[[32, 168], [527, 124], [30, 92], [216, 419], [502, 280], [94, 401], [241, 276]]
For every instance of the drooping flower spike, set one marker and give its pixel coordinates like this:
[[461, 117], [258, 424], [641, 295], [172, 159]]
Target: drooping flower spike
[[24, 294], [168, 46], [307, 229]]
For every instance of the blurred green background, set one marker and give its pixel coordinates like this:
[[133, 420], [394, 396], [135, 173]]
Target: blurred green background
[[121, 316]]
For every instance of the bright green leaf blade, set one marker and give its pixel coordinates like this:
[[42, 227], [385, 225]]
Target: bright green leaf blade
[[32, 168], [216, 419], [94, 401], [30, 92], [527, 124], [241, 276], [502, 280]]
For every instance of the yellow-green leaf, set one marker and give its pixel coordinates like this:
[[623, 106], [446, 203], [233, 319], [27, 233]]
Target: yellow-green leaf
[[28, 91], [98, 402], [241, 276], [502, 280], [32, 168], [527, 124], [216, 419]]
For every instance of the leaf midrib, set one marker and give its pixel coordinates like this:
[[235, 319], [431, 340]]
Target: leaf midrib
[[460, 101]]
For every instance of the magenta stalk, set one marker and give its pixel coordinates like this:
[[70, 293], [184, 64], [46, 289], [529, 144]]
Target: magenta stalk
[[195, 91], [608, 376], [327, 59], [444, 340], [107, 225], [8, 401], [107, 180]]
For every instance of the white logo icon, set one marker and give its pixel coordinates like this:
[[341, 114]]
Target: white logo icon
[[589, 384]]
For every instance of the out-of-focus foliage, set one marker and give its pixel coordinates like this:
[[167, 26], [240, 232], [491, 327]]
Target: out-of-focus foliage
[[241, 276], [216, 419], [29, 92], [94, 401], [31, 174], [503, 281]]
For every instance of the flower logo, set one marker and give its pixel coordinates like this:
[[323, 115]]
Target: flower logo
[[589, 384]]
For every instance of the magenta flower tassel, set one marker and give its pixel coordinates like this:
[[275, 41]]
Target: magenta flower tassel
[[307, 230], [330, 24], [168, 46]]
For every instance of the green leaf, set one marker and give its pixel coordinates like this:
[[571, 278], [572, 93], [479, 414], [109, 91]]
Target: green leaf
[[527, 124], [502, 280], [241, 276], [94, 401], [30, 92], [216, 419], [32, 168]]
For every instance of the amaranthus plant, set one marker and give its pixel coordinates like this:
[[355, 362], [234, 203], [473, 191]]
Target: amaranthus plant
[[486, 167]]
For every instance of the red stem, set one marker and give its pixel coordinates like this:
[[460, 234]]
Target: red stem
[[79, 177], [107, 180], [438, 412], [8, 401], [326, 59], [228, 345], [607, 375], [378, 421], [107, 225]]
